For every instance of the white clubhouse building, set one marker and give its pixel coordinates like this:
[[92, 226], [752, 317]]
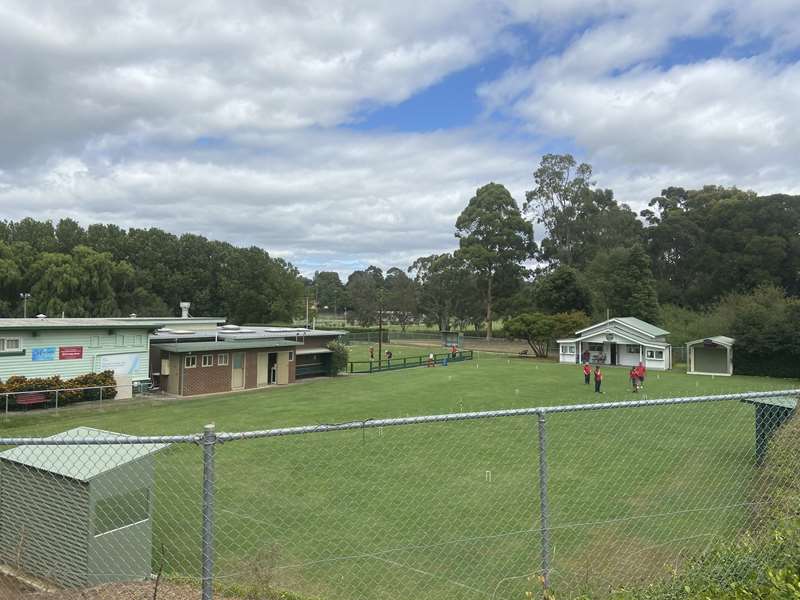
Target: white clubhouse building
[[619, 341]]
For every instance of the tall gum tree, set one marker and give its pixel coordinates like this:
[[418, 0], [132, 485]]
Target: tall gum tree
[[494, 239]]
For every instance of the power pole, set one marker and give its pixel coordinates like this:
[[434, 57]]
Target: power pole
[[380, 327]]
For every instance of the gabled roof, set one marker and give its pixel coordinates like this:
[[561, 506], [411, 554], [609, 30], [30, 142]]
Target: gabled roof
[[632, 322], [721, 340], [635, 339], [82, 462]]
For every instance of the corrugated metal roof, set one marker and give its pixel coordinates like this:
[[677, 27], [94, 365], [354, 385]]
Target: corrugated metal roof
[[722, 340], [224, 345], [643, 326], [96, 323], [82, 462], [314, 351]]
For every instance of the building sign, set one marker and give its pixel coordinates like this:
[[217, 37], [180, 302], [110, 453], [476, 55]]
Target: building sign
[[122, 364], [70, 352], [40, 354]]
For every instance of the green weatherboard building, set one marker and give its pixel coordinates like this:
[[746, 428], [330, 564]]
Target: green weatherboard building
[[78, 514], [44, 347]]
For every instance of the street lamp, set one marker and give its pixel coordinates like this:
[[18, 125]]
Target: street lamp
[[24, 296]]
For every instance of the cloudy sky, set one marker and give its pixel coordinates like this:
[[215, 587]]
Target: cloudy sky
[[342, 134]]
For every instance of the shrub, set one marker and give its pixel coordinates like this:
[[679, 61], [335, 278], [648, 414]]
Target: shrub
[[19, 383], [339, 358]]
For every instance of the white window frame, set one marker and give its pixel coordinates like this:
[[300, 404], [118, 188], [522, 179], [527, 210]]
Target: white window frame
[[94, 341], [632, 348], [567, 348], [222, 359], [190, 358], [119, 341], [653, 354], [209, 358], [291, 355], [602, 347], [138, 340], [4, 344]]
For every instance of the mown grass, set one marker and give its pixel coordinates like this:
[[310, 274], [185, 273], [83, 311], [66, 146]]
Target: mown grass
[[448, 510]]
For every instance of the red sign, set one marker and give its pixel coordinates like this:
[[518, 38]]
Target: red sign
[[70, 352]]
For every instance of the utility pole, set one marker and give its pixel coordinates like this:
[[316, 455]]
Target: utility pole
[[24, 296], [380, 327]]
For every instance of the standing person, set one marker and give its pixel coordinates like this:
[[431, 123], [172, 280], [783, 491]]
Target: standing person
[[372, 352], [430, 359], [642, 371], [598, 379], [388, 358], [587, 371], [453, 351], [634, 375]]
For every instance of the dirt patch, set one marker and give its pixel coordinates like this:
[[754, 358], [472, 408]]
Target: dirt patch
[[116, 591]]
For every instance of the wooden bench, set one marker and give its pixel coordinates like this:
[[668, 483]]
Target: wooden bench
[[31, 399]]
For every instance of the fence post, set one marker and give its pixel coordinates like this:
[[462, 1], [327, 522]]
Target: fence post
[[6, 404], [208, 443], [544, 508], [101, 394], [56, 399]]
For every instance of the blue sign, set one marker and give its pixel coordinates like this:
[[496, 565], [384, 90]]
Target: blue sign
[[38, 354]]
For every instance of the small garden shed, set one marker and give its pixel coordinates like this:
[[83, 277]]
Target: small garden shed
[[78, 514], [710, 356]]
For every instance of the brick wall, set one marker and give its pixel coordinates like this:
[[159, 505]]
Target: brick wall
[[206, 380]]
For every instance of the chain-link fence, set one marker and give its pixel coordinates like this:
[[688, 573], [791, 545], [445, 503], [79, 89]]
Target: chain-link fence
[[581, 498]]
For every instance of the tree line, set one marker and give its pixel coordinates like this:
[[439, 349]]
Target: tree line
[[104, 270], [688, 250]]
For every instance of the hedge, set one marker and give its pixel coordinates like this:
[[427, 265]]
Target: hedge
[[776, 364], [18, 383]]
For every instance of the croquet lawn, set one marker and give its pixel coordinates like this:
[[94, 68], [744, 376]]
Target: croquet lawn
[[445, 510]]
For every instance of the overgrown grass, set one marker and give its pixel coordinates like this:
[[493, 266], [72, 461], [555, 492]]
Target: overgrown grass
[[448, 510]]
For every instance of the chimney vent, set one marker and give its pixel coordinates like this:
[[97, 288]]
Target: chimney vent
[[185, 309]]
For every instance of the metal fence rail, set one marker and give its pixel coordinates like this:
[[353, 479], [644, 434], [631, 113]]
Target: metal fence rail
[[408, 362], [586, 497]]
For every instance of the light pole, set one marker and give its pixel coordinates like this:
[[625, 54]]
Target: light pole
[[24, 296]]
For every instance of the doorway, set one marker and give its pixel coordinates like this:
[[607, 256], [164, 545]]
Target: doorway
[[272, 368], [613, 353], [237, 371]]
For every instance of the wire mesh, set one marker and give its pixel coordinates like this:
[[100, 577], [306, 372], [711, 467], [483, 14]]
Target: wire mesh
[[446, 506]]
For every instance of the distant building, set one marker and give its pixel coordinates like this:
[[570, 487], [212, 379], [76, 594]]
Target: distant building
[[619, 341], [45, 347], [233, 357]]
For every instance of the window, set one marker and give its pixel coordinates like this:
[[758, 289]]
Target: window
[[291, 355], [120, 340], [94, 341], [190, 362], [9, 345], [567, 349], [632, 349], [655, 354], [594, 347], [222, 359], [208, 360], [138, 340]]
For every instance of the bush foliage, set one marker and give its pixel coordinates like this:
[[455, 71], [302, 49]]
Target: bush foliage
[[18, 383]]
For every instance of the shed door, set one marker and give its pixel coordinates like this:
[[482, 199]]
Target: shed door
[[710, 360], [237, 371]]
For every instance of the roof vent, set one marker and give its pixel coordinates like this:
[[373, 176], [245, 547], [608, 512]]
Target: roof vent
[[132, 315], [41, 316], [230, 328]]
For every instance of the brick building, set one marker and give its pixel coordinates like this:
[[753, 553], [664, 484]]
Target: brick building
[[231, 358]]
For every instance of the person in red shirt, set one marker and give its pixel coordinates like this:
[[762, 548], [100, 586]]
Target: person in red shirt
[[598, 379], [587, 371], [634, 376], [453, 351], [642, 370]]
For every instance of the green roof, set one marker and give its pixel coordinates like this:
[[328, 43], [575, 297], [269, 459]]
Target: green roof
[[785, 402], [223, 345], [82, 462]]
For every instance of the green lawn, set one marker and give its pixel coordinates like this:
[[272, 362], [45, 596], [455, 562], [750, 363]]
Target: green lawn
[[447, 510]]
